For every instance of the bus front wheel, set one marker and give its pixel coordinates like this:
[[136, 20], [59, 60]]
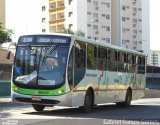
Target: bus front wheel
[[38, 108], [88, 101]]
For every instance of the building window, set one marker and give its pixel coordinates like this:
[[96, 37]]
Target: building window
[[140, 31], [135, 43], [43, 8], [70, 14], [108, 17], [43, 30], [95, 27], [139, 9], [95, 3], [95, 15], [134, 20], [69, 2], [70, 26], [89, 37], [103, 27], [108, 5], [107, 40], [95, 38], [123, 19], [140, 42], [124, 30], [88, 25], [139, 20], [89, 1], [88, 13], [103, 15], [43, 20], [123, 8], [107, 28]]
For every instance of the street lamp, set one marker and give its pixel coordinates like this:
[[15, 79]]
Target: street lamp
[[92, 20]]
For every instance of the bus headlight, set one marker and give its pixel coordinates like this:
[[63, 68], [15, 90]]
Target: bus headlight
[[15, 89]]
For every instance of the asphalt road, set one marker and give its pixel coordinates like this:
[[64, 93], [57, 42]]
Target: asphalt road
[[143, 111]]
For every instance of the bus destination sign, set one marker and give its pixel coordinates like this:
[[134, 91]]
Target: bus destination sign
[[42, 39]]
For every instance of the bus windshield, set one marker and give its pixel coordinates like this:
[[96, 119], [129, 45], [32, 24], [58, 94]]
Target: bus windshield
[[37, 65]]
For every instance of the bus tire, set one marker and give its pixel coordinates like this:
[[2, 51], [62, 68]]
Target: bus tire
[[127, 101], [38, 108], [88, 101]]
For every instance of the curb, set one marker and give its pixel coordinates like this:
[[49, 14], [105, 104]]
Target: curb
[[5, 100]]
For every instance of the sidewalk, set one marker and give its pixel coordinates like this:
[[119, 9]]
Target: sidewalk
[[5, 100]]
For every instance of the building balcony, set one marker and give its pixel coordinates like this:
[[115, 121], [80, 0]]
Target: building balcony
[[57, 28], [59, 20], [56, 9]]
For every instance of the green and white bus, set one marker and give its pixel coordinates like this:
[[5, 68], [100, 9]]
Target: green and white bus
[[67, 70]]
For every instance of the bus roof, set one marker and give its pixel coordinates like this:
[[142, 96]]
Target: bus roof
[[96, 42]]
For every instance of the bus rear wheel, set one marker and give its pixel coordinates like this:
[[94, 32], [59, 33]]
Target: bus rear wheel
[[127, 101], [88, 101], [38, 108]]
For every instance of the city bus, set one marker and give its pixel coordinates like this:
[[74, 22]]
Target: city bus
[[73, 71]]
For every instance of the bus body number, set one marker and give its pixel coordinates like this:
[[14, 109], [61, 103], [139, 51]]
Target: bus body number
[[42, 92]]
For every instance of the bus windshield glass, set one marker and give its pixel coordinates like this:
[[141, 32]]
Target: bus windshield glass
[[41, 63]]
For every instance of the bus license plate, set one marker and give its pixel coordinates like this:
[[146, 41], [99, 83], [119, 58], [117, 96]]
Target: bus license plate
[[36, 99]]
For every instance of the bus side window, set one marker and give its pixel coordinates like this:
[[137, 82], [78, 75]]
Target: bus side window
[[121, 62], [80, 55], [143, 65], [91, 56], [139, 65], [70, 69], [79, 62], [109, 59], [102, 56]]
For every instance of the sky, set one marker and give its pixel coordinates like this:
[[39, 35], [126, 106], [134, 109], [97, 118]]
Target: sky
[[22, 17], [155, 24]]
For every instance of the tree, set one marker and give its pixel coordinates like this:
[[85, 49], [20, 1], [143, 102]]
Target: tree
[[68, 31], [78, 32], [5, 34]]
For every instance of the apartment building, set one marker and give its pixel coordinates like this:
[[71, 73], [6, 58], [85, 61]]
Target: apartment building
[[93, 17], [2, 12], [56, 16], [155, 58], [127, 24], [117, 22]]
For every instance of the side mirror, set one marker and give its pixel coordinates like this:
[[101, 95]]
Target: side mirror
[[8, 51], [8, 55]]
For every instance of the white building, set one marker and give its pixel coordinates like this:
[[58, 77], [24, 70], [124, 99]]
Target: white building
[[155, 58], [146, 28], [91, 17], [127, 23]]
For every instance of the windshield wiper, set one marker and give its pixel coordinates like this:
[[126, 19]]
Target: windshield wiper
[[50, 50]]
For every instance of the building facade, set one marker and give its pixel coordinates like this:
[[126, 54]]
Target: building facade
[[127, 24], [91, 17], [56, 15], [2, 12], [155, 58], [117, 22]]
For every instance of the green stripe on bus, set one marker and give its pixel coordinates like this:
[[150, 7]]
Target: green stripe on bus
[[37, 92]]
